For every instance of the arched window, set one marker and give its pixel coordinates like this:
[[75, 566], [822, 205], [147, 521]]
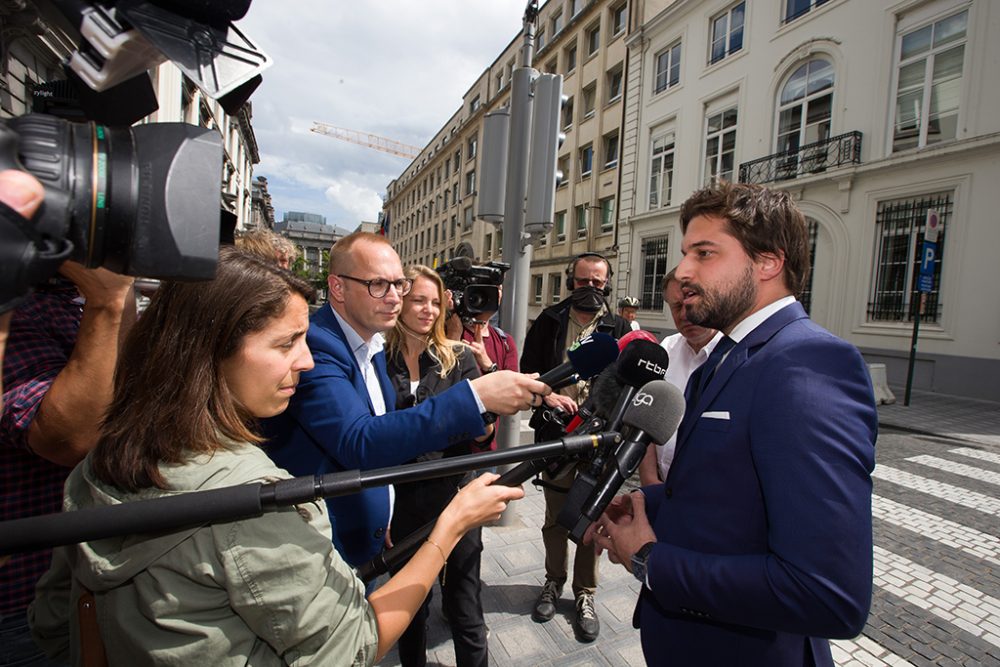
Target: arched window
[[805, 109]]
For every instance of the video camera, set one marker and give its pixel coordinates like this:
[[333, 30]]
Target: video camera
[[475, 288], [141, 200]]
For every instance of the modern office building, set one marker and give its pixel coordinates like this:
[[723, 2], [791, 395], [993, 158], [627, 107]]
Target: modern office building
[[876, 116], [432, 204], [311, 235]]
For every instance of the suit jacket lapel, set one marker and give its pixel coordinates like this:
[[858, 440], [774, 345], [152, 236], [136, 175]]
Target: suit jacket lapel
[[734, 360], [326, 318], [382, 373]]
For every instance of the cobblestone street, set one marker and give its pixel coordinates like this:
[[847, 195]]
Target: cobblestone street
[[936, 515]]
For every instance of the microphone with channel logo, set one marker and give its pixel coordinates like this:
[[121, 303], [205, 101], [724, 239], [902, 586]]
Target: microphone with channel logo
[[639, 363], [653, 415]]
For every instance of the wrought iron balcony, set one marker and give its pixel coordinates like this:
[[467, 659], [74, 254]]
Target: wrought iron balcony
[[809, 159]]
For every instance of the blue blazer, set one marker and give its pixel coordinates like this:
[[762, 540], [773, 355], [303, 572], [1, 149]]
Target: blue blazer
[[330, 426], [763, 525]]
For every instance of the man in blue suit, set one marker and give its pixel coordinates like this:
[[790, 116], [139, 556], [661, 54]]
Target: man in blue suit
[[342, 416], [758, 545]]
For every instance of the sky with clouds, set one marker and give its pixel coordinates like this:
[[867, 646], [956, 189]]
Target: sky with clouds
[[397, 68]]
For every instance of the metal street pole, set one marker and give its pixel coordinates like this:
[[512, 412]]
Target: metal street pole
[[516, 247]]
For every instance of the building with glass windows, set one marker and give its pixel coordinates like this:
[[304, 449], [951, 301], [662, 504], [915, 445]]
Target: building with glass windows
[[875, 116], [432, 204]]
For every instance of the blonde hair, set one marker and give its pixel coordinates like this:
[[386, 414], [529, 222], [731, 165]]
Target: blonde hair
[[439, 346], [266, 244]]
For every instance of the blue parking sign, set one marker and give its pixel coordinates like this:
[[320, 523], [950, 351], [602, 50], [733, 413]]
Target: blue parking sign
[[925, 281]]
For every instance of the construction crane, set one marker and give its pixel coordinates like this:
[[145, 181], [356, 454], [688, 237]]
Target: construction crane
[[367, 139]]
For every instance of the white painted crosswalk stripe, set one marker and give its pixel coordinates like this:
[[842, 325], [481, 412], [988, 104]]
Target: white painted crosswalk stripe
[[954, 494], [961, 605], [956, 468], [864, 651], [947, 532], [977, 454]]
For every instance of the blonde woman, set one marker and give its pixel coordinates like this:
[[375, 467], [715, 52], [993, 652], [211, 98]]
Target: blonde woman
[[422, 361]]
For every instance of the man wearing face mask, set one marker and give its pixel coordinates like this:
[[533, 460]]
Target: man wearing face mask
[[552, 333]]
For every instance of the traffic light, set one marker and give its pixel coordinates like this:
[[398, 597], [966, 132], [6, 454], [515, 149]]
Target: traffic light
[[546, 138]]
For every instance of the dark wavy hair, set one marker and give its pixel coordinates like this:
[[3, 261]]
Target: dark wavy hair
[[170, 398], [763, 220]]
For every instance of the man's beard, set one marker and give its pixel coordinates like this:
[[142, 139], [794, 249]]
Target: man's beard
[[725, 307]]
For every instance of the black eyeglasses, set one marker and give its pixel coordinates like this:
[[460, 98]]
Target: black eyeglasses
[[379, 287]]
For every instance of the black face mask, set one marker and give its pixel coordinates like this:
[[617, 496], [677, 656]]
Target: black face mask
[[587, 299]]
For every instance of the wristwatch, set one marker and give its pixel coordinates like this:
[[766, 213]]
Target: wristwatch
[[491, 369], [488, 418], [639, 561]]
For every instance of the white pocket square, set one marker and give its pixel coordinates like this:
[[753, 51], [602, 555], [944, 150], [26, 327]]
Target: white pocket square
[[723, 414]]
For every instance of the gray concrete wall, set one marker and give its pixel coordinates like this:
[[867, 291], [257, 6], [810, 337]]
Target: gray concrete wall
[[947, 374]]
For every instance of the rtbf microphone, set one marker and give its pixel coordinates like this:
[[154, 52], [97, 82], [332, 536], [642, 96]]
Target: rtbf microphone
[[586, 358], [606, 388], [640, 363], [653, 415]]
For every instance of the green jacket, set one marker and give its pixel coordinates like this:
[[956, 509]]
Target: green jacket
[[263, 591]]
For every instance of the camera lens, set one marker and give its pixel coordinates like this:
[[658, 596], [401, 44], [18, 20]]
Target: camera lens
[[141, 200]]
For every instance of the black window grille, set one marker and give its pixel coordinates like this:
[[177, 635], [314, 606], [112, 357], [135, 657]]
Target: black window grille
[[654, 268], [899, 233], [806, 297]]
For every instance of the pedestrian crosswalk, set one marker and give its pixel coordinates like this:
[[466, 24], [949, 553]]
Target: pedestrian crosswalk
[[936, 575], [957, 619], [943, 490]]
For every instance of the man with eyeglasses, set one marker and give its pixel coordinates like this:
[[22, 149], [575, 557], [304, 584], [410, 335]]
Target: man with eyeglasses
[[342, 415], [557, 327]]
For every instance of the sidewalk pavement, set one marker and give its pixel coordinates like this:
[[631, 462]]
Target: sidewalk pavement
[[947, 416], [513, 562]]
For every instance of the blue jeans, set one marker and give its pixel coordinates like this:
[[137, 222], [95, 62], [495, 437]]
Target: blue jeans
[[17, 648]]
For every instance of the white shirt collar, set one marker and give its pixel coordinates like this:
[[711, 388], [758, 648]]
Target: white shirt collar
[[754, 320], [363, 350]]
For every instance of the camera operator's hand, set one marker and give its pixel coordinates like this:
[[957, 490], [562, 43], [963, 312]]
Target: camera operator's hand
[[453, 324], [507, 392], [101, 288], [478, 348], [565, 403], [23, 193], [68, 420]]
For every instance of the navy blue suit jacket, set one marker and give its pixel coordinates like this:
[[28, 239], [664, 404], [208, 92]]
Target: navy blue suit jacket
[[330, 426], [763, 525]]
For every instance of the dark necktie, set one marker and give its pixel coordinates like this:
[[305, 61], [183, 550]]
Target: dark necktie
[[704, 374]]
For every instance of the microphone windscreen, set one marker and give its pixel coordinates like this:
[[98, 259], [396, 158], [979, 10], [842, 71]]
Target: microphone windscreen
[[604, 392], [593, 354], [638, 334], [642, 362], [656, 410]]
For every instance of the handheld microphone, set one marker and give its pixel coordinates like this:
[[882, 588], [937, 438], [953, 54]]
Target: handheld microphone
[[652, 416], [638, 334], [640, 363], [605, 389], [586, 358]]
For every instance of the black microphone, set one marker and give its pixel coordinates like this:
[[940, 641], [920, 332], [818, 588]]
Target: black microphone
[[652, 416], [244, 501], [641, 362], [586, 358], [407, 546]]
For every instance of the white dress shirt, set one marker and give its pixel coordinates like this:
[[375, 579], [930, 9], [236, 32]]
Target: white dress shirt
[[364, 351], [683, 362]]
